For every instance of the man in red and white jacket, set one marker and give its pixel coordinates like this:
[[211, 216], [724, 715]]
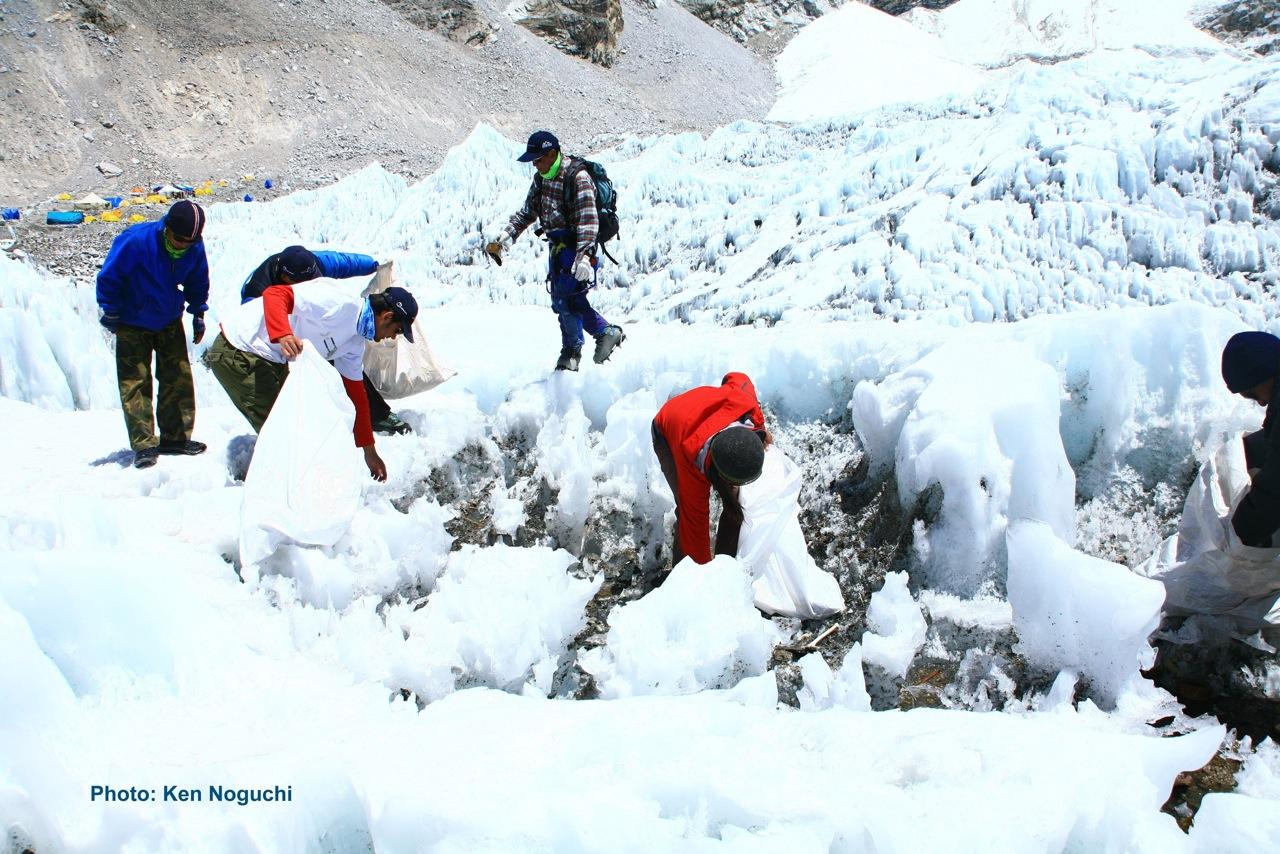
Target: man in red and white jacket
[[710, 437], [249, 355]]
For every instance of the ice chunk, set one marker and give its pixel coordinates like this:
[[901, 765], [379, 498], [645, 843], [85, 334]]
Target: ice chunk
[[1077, 612], [897, 627], [699, 630]]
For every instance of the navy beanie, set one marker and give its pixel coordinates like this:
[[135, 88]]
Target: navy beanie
[[185, 219], [738, 454], [1249, 359]]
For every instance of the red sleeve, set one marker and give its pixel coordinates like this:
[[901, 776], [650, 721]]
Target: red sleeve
[[364, 424], [693, 511], [277, 305]]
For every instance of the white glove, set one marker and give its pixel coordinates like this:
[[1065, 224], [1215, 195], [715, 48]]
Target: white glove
[[582, 269]]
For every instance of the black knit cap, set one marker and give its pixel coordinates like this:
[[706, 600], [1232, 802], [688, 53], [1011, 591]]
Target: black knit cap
[[737, 454], [1250, 359], [185, 219]]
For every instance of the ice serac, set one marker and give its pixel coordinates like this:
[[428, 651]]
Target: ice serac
[[841, 64], [980, 422], [1073, 611], [586, 28]]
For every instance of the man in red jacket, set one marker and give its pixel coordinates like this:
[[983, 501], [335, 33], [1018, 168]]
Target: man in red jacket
[[709, 437]]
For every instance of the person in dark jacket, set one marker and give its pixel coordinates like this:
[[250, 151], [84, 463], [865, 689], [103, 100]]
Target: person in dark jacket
[[571, 235], [1250, 363], [153, 268], [298, 264], [710, 437]]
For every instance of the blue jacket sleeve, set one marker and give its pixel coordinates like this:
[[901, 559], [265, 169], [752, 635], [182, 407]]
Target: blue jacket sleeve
[[111, 277], [196, 286], [344, 265]]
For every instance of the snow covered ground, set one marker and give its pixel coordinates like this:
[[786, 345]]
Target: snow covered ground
[[864, 262]]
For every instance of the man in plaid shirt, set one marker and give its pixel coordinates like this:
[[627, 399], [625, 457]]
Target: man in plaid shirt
[[571, 235]]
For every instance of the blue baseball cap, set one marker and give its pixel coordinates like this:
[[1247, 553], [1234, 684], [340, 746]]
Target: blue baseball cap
[[404, 307], [539, 144]]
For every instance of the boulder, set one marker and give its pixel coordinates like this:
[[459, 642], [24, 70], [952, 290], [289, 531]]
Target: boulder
[[109, 169], [586, 28], [765, 25], [101, 15], [457, 19]]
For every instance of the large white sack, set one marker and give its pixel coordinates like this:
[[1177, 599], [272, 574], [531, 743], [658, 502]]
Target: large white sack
[[1204, 567], [399, 368], [304, 483], [772, 546]]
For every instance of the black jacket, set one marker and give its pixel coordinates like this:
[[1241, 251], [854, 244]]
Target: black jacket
[[1258, 516]]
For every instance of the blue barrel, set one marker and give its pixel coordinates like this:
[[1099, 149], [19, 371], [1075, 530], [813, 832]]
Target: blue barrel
[[64, 218]]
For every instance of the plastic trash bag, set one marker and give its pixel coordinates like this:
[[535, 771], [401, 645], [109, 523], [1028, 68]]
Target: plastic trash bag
[[1204, 567], [772, 546], [305, 480], [398, 368]]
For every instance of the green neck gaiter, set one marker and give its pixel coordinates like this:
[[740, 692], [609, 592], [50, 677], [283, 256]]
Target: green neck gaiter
[[174, 252], [553, 171]]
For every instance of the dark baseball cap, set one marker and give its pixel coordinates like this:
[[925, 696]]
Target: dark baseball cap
[[539, 144], [404, 307], [299, 263]]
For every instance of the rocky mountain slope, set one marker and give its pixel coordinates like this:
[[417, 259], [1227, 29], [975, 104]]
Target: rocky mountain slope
[[308, 89]]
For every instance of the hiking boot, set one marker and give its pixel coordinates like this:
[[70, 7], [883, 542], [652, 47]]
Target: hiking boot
[[612, 337], [183, 447], [145, 458], [569, 359], [392, 425]]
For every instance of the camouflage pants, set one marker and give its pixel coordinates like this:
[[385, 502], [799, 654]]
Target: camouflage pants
[[175, 405], [252, 382]]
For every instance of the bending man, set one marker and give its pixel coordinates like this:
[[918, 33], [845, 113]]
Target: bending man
[[710, 437], [248, 357], [299, 264]]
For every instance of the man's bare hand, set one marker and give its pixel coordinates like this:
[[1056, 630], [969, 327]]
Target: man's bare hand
[[377, 468], [291, 346]]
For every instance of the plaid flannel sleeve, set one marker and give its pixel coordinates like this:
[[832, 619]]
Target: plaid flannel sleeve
[[588, 218]]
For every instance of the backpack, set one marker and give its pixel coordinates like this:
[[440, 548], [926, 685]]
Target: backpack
[[606, 200]]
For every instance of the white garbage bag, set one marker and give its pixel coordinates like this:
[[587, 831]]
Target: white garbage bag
[[772, 546], [398, 368], [305, 480], [1204, 567]]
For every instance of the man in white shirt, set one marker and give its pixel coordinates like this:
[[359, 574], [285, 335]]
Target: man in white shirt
[[249, 355]]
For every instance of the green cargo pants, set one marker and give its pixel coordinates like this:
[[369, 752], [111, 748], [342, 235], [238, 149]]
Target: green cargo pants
[[175, 406], [252, 382]]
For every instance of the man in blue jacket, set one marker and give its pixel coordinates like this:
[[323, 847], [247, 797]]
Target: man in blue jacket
[[153, 268], [298, 264]]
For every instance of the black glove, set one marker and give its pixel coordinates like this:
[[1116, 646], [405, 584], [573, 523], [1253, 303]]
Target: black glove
[[110, 322], [197, 328]]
